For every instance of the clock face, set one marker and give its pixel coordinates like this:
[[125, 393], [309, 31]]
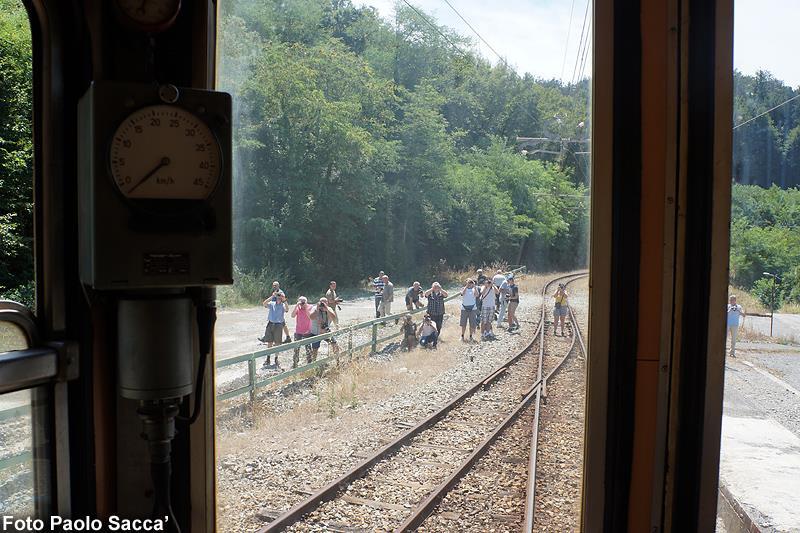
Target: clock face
[[149, 15], [164, 152]]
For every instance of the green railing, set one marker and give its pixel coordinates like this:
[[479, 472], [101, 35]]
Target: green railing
[[253, 384]]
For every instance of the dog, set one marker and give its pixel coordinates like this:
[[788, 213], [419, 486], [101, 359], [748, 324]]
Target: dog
[[409, 331]]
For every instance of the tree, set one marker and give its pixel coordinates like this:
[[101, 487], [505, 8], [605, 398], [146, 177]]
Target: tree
[[16, 153]]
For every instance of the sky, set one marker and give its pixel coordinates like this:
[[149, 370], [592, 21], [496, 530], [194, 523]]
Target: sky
[[533, 35]]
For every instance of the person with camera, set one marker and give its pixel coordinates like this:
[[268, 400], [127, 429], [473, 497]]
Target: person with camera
[[469, 299], [436, 295], [302, 327], [560, 309], [488, 295], [276, 321], [428, 333], [276, 290], [321, 316], [335, 301], [412, 297]]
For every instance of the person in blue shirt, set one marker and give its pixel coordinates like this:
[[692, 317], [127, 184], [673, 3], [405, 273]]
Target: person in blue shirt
[[276, 310], [735, 314]]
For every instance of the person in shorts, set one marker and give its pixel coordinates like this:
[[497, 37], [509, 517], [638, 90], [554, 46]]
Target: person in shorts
[[412, 297], [276, 290], [488, 294], [560, 309], [302, 327], [469, 308], [276, 321], [428, 333], [513, 302], [321, 317], [334, 300]]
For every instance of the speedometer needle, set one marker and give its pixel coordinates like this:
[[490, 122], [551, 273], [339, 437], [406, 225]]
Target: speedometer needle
[[164, 162]]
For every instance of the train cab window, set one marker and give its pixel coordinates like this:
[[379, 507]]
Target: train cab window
[[25, 467], [760, 443], [403, 343]]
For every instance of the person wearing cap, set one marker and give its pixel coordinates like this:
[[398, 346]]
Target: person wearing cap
[[302, 327], [560, 309], [513, 302], [428, 333]]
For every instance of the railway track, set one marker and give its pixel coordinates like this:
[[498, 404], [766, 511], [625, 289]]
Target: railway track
[[398, 486]]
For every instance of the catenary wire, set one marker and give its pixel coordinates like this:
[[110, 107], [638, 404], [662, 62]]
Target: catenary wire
[[751, 119], [435, 27], [581, 42], [501, 58], [566, 46]]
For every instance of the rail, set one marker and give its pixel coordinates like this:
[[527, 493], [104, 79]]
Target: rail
[[253, 384]]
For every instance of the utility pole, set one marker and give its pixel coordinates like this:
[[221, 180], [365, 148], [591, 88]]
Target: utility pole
[[775, 278]]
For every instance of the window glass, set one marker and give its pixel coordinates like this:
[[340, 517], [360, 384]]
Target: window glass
[[420, 141], [16, 438], [16, 155], [760, 445]]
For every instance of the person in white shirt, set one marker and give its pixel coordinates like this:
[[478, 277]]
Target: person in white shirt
[[735, 314], [469, 303], [428, 334]]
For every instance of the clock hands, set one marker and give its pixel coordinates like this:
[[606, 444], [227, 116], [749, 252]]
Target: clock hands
[[164, 162]]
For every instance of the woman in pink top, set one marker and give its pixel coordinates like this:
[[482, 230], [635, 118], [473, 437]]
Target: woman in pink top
[[302, 327]]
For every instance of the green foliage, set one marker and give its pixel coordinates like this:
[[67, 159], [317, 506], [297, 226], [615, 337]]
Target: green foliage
[[364, 144], [16, 153], [765, 237], [763, 290]]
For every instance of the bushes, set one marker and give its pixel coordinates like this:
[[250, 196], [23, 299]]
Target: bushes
[[252, 289], [765, 237]]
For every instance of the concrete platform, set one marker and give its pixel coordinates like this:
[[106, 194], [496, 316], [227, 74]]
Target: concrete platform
[[760, 447]]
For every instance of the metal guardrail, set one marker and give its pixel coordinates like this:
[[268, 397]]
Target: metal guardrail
[[345, 354]]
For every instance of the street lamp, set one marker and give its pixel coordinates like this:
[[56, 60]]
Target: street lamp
[[775, 278]]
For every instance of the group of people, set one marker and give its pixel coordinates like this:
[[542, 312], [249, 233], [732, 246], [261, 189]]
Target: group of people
[[486, 303], [310, 321]]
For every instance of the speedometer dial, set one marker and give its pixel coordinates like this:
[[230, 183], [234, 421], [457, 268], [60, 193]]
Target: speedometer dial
[[164, 152]]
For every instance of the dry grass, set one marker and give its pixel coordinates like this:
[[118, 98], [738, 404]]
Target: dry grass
[[355, 383], [750, 303]]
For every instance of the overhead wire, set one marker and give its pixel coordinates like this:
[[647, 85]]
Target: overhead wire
[[581, 43], [582, 69], [435, 27], [501, 58], [566, 45], [751, 119]]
